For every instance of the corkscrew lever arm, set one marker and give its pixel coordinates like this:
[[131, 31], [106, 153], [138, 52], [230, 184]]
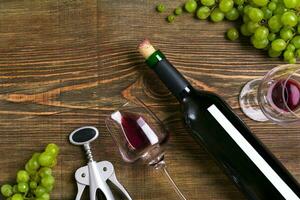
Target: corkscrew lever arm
[[80, 188], [113, 179]]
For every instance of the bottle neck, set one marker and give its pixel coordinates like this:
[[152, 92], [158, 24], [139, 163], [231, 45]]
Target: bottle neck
[[169, 75], [185, 93]]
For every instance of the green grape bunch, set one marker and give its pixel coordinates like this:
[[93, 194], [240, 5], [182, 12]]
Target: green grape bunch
[[35, 181], [271, 25]]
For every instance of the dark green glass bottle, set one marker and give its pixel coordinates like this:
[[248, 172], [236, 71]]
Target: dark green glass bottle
[[247, 162]]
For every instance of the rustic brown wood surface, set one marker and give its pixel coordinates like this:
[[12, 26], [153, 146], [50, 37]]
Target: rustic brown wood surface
[[69, 63]]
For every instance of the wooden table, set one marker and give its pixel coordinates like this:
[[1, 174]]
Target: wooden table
[[69, 63]]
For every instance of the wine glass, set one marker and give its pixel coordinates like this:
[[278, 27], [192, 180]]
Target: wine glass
[[139, 134], [274, 97]]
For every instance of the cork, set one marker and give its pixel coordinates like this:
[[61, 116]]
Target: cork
[[146, 49]]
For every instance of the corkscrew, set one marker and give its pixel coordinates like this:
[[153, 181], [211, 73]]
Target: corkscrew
[[94, 174]]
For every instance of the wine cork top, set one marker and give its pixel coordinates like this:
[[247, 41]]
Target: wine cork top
[[146, 49]]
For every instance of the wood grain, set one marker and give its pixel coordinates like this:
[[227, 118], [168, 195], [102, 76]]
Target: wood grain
[[69, 63]]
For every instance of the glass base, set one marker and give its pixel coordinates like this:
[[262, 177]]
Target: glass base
[[249, 103]]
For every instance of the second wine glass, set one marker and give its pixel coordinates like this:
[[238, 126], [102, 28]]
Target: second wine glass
[[139, 134], [274, 97]]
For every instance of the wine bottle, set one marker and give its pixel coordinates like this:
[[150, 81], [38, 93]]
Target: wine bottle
[[247, 162]]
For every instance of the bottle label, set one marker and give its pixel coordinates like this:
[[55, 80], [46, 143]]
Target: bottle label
[[254, 156]]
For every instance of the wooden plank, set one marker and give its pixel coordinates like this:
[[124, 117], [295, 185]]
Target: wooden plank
[[49, 75]]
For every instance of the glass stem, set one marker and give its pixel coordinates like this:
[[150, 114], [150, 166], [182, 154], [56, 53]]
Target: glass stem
[[163, 168]]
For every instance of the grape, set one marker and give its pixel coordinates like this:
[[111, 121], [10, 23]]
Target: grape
[[271, 36], [252, 26], [278, 45], [17, 197], [23, 187], [6, 190], [290, 3], [244, 30], [298, 28], [208, 2], [247, 9], [22, 176], [15, 189], [190, 6], [36, 178], [261, 2], [40, 190], [45, 196], [280, 9], [288, 55], [291, 47], [261, 33], [232, 34], [47, 181], [54, 162], [170, 19], [216, 15], [260, 44], [246, 19], [52, 149], [160, 8], [33, 185], [203, 12], [292, 61], [178, 11], [275, 23], [44, 171], [289, 19], [286, 33], [272, 6], [255, 14], [45, 159], [274, 54], [267, 13], [36, 156], [49, 189], [232, 15], [29, 170], [298, 53], [33, 164], [226, 5], [296, 41]]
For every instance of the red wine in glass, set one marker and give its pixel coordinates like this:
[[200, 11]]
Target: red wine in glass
[[285, 95], [137, 131]]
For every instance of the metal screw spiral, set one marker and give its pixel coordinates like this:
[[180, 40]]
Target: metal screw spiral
[[88, 152]]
